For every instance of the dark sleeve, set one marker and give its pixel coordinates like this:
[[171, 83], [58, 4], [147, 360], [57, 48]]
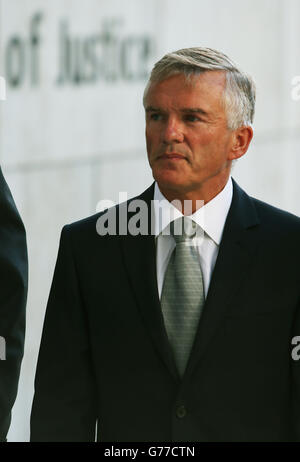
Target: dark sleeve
[[64, 405], [13, 293]]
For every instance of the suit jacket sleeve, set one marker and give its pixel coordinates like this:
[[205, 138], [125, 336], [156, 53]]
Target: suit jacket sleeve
[[13, 293], [64, 407]]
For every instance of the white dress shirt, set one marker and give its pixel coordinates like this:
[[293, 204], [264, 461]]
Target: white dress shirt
[[210, 217]]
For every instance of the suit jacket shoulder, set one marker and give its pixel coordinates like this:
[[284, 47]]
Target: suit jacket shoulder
[[280, 219], [88, 225], [270, 218]]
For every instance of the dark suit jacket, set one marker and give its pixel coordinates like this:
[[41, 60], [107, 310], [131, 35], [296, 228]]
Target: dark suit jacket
[[13, 293], [105, 355]]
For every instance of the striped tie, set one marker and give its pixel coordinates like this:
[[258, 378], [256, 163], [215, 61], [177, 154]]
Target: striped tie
[[182, 296]]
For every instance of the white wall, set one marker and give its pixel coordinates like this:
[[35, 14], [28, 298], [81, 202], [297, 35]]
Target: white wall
[[65, 147]]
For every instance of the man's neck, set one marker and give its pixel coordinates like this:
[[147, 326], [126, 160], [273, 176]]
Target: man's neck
[[190, 201]]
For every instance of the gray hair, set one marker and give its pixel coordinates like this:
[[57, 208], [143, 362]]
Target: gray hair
[[239, 93]]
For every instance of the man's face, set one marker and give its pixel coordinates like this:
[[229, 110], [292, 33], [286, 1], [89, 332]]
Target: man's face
[[188, 142]]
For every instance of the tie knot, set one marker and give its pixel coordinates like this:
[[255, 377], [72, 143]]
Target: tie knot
[[183, 229]]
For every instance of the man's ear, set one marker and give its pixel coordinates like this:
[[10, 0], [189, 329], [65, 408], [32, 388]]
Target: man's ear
[[241, 139]]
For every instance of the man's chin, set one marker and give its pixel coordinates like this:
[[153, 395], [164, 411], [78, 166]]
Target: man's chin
[[169, 180]]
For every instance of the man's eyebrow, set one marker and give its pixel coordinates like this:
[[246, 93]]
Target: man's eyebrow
[[187, 110], [152, 109], [195, 110]]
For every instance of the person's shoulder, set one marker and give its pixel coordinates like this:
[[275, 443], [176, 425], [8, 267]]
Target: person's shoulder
[[275, 215], [84, 224], [88, 225], [278, 229], [266, 212]]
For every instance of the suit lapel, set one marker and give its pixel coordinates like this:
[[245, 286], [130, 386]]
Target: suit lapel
[[235, 255], [140, 260]]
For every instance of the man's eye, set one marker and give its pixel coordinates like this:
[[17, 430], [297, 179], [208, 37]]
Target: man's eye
[[192, 118], [155, 116]]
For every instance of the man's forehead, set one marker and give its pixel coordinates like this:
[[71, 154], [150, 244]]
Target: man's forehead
[[208, 85], [209, 77]]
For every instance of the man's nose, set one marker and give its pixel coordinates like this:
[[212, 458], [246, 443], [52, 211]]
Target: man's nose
[[172, 132]]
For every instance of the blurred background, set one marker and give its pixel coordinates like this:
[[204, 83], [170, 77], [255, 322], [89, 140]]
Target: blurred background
[[72, 125]]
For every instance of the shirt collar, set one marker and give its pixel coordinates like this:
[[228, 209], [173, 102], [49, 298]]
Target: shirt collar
[[211, 217]]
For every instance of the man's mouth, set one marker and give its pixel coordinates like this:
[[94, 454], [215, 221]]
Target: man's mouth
[[172, 156]]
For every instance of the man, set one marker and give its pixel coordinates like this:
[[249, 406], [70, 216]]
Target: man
[[13, 293], [165, 337]]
